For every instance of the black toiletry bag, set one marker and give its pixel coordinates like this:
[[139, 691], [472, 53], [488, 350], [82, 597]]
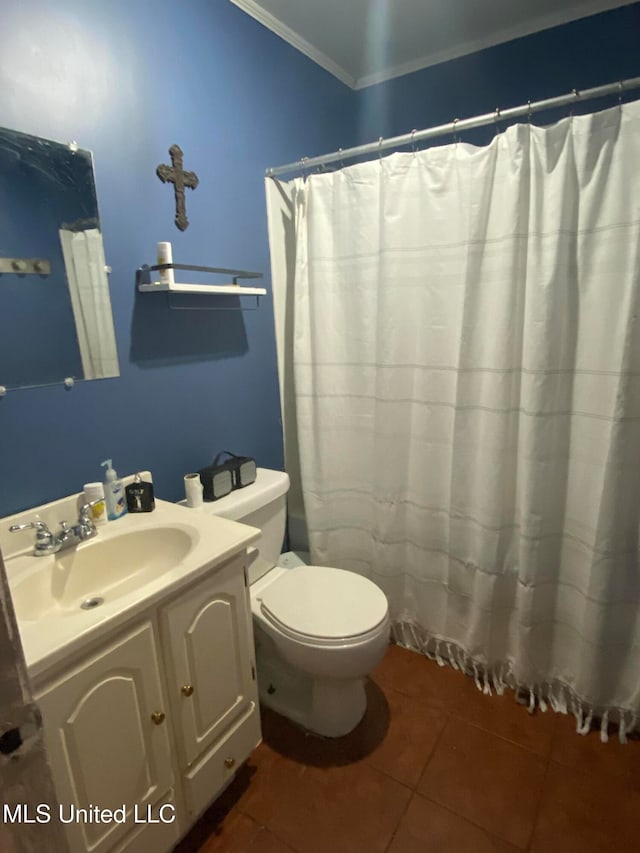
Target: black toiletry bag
[[220, 478]]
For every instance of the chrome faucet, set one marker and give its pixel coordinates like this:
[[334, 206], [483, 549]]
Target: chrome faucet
[[68, 536]]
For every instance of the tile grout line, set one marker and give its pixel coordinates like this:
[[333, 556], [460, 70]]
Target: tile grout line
[[536, 818], [265, 827], [502, 737], [414, 789], [582, 771], [433, 749], [282, 841], [539, 802], [400, 819], [470, 822]]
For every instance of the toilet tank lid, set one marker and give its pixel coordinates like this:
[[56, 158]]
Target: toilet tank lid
[[269, 485]]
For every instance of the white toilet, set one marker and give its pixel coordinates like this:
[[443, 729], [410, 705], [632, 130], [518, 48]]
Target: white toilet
[[319, 631]]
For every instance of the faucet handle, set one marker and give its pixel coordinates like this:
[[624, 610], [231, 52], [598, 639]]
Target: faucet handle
[[44, 537], [39, 526]]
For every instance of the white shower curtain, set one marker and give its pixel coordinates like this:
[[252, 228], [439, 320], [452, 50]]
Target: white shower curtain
[[467, 386]]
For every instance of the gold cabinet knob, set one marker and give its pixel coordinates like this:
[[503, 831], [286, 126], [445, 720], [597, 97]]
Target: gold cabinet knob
[[229, 762], [157, 717], [187, 689]]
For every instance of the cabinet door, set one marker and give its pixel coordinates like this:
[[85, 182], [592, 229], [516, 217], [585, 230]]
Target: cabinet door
[[208, 641], [158, 832], [106, 750]]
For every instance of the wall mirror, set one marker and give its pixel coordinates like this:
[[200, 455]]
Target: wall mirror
[[55, 308]]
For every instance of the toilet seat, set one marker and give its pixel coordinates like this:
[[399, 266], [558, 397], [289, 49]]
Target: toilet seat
[[324, 606]]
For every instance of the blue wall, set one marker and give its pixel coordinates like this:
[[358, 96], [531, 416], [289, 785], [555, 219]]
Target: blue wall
[[127, 80]]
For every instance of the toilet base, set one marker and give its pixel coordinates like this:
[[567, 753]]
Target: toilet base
[[330, 707], [337, 706]]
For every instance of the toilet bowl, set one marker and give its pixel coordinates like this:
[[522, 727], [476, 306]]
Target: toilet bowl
[[329, 628], [319, 631]]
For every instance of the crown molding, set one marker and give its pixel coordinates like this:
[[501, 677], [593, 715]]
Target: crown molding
[[276, 26]]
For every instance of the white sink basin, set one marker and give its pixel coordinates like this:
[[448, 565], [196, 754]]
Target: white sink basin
[[100, 570], [130, 566]]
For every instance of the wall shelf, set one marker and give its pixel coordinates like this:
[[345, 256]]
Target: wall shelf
[[212, 289], [145, 285]]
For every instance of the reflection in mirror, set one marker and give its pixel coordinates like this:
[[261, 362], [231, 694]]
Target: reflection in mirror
[[55, 309]]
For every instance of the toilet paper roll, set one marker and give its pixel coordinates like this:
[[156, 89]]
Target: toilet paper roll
[[165, 256], [193, 490]]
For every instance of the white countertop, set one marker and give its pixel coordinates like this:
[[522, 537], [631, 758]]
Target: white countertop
[[48, 640]]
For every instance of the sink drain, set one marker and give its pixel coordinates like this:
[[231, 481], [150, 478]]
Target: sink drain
[[90, 603]]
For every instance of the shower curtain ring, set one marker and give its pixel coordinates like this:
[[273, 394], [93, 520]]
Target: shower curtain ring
[[496, 118], [303, 166], [455, 137], [529, 111], [620, 91], [380, 149], [413, 140], [576, 95], [341, 160]]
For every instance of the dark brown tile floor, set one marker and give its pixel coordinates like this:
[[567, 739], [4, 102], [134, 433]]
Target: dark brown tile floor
[[434, 766]]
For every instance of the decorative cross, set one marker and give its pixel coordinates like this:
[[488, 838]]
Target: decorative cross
[[176, 175]]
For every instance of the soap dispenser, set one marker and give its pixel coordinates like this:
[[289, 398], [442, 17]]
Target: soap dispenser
[[113, 492]]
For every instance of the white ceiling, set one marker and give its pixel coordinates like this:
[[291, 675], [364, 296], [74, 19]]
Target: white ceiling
[[363, 42]]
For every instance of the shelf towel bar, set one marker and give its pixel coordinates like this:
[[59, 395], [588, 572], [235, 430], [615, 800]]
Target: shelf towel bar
[[145, 285]]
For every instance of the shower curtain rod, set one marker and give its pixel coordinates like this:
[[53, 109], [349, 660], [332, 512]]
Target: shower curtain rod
[[458, 125]]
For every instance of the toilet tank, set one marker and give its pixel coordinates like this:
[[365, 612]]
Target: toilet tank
[[263, 504]]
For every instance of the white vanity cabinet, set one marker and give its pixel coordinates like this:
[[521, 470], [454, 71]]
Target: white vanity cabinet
[[107, 737], [208, 646], [162, 714]]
